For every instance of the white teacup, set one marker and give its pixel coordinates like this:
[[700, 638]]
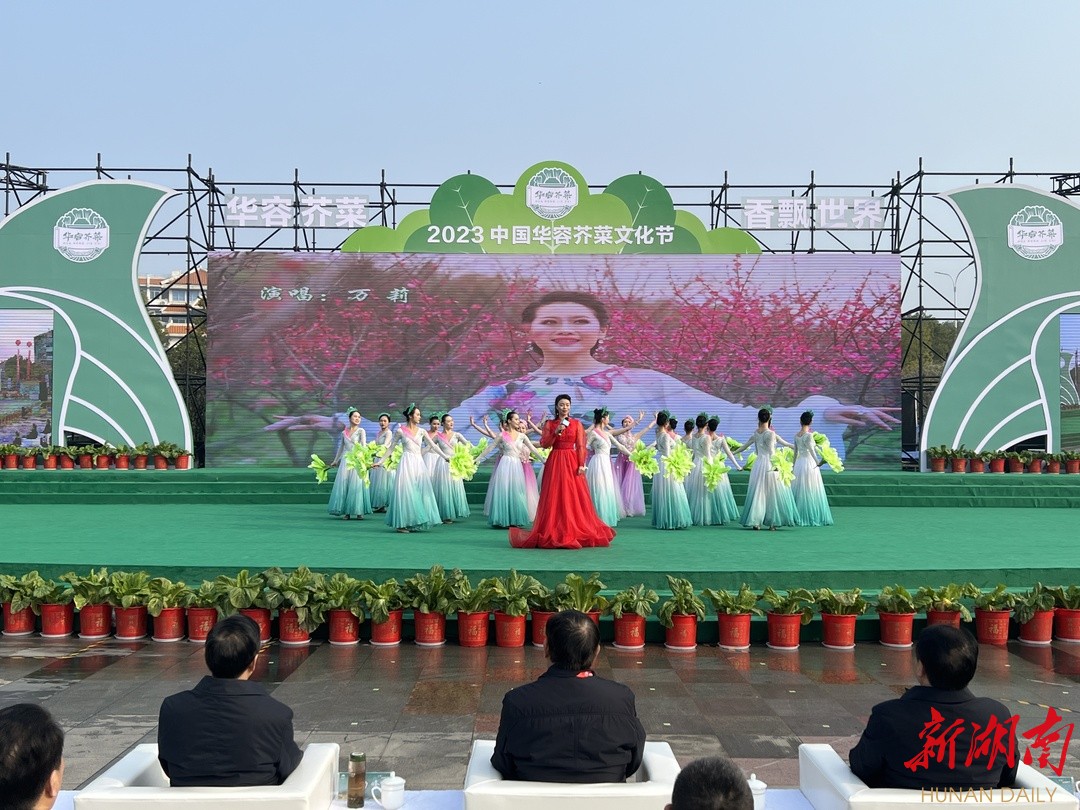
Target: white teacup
[[390, 792]]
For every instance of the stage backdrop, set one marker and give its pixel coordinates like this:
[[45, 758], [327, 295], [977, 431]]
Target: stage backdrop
[[296, 339]]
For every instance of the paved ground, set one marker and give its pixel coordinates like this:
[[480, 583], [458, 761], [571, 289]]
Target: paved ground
[[416, 710]]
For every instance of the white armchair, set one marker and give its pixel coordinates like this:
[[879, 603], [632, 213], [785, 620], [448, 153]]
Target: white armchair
[[828, 784], [485, 788], [137, 781]]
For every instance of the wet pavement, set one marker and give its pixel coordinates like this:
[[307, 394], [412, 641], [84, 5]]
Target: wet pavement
[[416, 710]]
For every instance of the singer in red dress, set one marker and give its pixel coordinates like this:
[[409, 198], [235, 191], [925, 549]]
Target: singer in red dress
[[565, 517]]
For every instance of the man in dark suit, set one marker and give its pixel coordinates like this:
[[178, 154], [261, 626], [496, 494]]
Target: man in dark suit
[[569, 725], [923, 739], [227, 731]]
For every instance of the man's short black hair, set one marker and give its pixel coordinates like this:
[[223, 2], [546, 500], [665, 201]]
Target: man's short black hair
[[572, 639], [231, 646], [31, 748], [948, 655], [712, 783]]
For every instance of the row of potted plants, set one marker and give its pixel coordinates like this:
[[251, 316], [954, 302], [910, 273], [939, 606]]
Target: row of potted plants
[[960, 459], [305, 599], [102, 457]]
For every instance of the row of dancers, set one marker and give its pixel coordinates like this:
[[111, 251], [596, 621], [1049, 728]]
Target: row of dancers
[[421, 492]]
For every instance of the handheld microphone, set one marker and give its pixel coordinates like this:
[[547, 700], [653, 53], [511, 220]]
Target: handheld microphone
[[565, 423]]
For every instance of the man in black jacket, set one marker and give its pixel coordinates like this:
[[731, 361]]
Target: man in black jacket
[[939, 735], [569, 725], [227, 731]]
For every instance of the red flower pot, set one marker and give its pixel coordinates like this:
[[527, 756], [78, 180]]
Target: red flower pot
[[1072, 466], [86, 461], [388, 633], [509, 630], [102, 462], [183, 462], [959, 464], [952, 617], [49, 462], [629, 632], [67, 463], [131, 623], [1053, 467], [1015, 465], [1035, 466], [29, 462], [200, 620], [430, 628], [57, 621], [344, 628], [838, 630], [977, 465], [123, 462], [595, 616], [1067, 625], [95, 621], [992, 626], [734, 630], [262, 618], [784, 630], [682, 635], [895, 629], [472, 629], [161, 463], [19, 622], [1040, 630], [140, 462], [169, 625], [290, 633], [539, 626], [937, 465], [997, 465], [11, 461]]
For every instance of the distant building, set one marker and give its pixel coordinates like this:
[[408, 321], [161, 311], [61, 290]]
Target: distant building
[[43, 348], [168, 299]]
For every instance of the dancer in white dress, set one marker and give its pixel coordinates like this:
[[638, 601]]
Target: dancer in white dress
[[606, 497], [449, 491], [670, 509], [412, 501], [725, 499], [381, 478], [808, 489], [349, 496], [768, 500], [627, 477], [512, 490]]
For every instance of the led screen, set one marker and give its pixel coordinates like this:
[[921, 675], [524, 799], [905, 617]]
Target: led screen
[[26, 363]]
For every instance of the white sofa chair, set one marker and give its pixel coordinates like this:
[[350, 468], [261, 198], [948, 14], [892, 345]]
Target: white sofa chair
[[828, 784], [485, 788], [137, 781]]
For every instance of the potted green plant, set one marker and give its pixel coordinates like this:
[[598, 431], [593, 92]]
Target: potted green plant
[[246, 593], [340, 597], [48, 457], [18, 595], [165, 602], [630, 609], [129, 591], [839, 612], [429, 594], [733, 614], [680, 613], [1016, 462], [384, 603], [66, 456], [1067, 613], [1072, 462], [140, 454], [992, 609], [788, 611], [896, 616], [473, 607], [9, 453], [958, 457], [182, 458], [29, 457], [542, 605], [163, 452], [1035, 461], [577, 593], [55, 604], [102, 456], [511, 601], [92, 596], [122, 456], [995, 459], [202, 611], [295, 595], [943, 605], [1034, 612], [937, 456], [84, 455]]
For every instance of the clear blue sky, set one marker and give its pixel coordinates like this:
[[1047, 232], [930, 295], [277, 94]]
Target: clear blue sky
[[682, 91]]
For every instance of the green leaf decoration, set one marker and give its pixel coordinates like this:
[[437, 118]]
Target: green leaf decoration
[[320, 467], [362, 458], [644, 460], [832, 458], [394, 460], [713, 471], [783, 465], [679, 463], [462, 462]]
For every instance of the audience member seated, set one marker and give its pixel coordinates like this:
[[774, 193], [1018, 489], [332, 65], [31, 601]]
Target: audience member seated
[[569, 725], [891, 750], [227, 731], [31, 758], [712, 783]]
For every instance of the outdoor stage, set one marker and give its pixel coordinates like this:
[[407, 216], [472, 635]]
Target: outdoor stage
[[912, 528]]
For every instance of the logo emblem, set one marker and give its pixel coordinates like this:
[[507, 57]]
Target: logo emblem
[[551, 193], [81, 235], [1035, 232]]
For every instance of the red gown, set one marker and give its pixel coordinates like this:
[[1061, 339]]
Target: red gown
[[565, 517]]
